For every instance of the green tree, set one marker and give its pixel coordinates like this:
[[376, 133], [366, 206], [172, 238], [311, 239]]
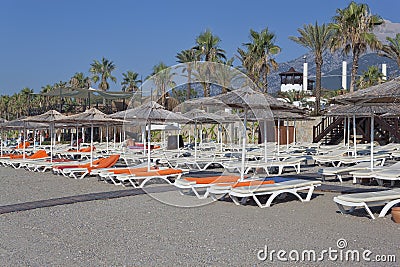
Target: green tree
[[258, 59], [372, 76], [189, 58], [101, 71], [317, 39], [130, 82], [392, 49], [353, 28], [79, 80], [207, 49], [163, 78]]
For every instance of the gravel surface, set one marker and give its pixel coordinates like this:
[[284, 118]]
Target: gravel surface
[[155, 230]]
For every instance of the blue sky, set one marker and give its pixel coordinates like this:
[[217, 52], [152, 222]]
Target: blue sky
[[47, 41]]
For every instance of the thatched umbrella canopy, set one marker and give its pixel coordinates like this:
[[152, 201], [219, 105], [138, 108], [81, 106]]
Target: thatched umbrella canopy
[[148, 113], [362, 110], [387, 92]]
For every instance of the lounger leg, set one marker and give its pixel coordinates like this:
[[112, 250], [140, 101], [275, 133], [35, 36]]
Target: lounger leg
[[235, 200], [198, 195], [388, 206], [369, 211], [339, 176], [310, 192], [267, 204]]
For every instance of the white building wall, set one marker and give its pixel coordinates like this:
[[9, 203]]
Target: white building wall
[[291, 87]]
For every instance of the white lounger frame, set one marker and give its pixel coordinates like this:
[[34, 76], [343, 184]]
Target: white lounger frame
[[387, 206], [273, 194]]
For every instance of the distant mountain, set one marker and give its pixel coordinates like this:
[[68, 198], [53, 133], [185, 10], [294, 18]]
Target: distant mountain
[[332, 67]]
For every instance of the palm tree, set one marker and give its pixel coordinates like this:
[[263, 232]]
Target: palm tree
[[101, 71], [130, 82], [162, 78], [189, 57], [207, 49], [258, 59], [372, 76], [79, 80], [226, 75], [353, 28], [317, 39], [392, 49]]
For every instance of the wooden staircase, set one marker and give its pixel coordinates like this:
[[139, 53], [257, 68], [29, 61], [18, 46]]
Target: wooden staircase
[[330, 130]]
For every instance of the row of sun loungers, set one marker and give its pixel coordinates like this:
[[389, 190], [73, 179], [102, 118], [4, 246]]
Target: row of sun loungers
[[263, 191]]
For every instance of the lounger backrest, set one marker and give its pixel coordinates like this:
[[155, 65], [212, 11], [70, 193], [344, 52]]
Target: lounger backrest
[[106, 162], [86, 149], [38, 154], [252, 183], [165, 172], [213, 179], [23, 144], [131, 170]]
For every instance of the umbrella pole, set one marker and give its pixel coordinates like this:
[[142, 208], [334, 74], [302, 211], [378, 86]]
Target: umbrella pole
[[143, 139], [253, 134], [23, 143], [34, 139], [344, 131], [354, 136], [265, 141], [294, 131], [348, 132], [1, 145], [91, 145], [372, 142], [77, 138], [51, 142], [287, 133], [115, 136], [72, 138], [279, 136], [101, 134], [195, 140], [243, 146], [148, 146], [220, 136], [107, 138]]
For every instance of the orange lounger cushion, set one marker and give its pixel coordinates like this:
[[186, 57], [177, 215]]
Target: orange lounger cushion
[[24, 144], [213, 179], [252, 183], [131, 170], [158, 172]]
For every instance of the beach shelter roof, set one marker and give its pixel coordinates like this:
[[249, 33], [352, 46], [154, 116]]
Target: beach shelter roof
[[47, 117], [21, 124], [202, 116], [151, 111], [245, 97], [362, 110], [387, 92], [91, 116]]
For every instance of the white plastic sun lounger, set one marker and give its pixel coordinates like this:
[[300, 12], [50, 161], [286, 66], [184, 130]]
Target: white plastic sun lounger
[[337, 172], [138, 181], [368, 173], [274, 190], [392, 175], [388, 198]]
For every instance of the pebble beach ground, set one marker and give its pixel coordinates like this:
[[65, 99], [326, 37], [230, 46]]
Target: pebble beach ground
[[155, 230]]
